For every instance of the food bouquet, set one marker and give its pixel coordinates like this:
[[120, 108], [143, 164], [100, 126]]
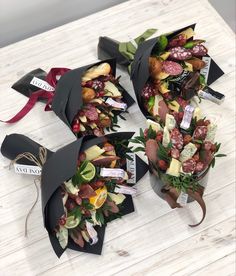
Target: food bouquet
[[84, 185], [180, 155], [166, 71], [88, 99]]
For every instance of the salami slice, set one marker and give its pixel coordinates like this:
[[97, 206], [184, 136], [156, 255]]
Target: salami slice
[[172, 68], [199, 167], [208, 145], [189, 165], [180, 53], [199, 50], [200, 133], [91, 112], [176, 139], [179, 40], [175, 153]]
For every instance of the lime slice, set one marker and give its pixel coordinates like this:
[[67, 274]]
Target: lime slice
[[88, 172], [72, 222]]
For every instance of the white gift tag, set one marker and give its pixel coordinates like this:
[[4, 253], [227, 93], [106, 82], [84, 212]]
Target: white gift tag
[[188, 114], [111, 102], [27, 169], [205, 71], [41, 84], [182, 199], [113, 173], [92, 232], [131, 167], [125, 190]]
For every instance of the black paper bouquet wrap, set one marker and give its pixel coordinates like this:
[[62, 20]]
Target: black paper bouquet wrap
[[84, 185], [88, 99], [166, 71]]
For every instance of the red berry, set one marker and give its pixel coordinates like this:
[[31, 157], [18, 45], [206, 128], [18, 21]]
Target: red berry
[[76, 127], [162, 165], [159, 136]]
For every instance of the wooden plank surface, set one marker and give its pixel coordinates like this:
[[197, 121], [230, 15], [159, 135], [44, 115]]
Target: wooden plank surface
[[154, 240]]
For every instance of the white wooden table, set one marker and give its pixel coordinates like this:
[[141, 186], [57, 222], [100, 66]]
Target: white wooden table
[[154, 240]]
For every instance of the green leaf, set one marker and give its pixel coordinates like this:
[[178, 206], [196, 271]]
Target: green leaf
[[220, 155], [139, 149], [162, 43], [144, 36], [141, 133], [202, 80], [213, 162]]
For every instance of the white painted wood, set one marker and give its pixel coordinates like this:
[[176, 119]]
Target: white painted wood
[[154, 240]]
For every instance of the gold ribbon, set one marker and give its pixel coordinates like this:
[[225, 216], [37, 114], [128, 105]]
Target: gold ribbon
[[39, 162]]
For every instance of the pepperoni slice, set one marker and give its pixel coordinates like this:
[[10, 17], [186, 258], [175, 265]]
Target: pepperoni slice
[[172, 68], [176, 139], [91, 113], [175, 153], [199, 167]]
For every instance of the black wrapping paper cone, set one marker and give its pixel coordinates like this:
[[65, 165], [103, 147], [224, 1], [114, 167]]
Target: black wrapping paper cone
[[109, 48], [23, 85], [59, 167], [68, 95]]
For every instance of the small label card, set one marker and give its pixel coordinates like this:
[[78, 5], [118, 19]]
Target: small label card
[[41, 84], [131, 167], [182, 199], [125, 190], [27, 169], [205, 71], [92, 232], [114, 173], [111, 102], [188, 114]]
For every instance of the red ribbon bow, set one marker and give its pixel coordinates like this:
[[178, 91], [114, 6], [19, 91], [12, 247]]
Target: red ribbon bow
[[51, 79]]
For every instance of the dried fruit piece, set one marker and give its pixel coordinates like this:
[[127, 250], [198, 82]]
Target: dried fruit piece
[[197, 63]]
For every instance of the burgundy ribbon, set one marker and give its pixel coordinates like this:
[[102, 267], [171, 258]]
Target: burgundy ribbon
[[51, 78]]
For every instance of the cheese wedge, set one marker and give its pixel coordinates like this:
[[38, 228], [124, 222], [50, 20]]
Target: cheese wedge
[[170, 121], [111, 90], [211, 132], [154, 125], [197, 113], [188, 33], [189, 67], [173, 105], [166, 137], [155, 109], [174, 168], [93, 152], [188, 152], [164, 88], [117, 198]]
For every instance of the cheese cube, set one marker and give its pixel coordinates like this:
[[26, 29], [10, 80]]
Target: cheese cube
[[154, 125], [170, 121], [93, 152], [166, 137], [174, 168], [188, 152], [211, 132]]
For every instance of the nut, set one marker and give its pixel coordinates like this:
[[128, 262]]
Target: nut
[[88, 94]]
